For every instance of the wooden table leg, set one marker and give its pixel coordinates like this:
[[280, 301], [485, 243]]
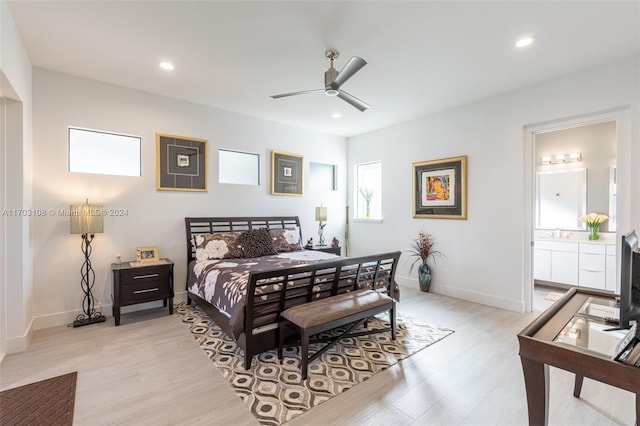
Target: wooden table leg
[[536, 380], [577, 387]]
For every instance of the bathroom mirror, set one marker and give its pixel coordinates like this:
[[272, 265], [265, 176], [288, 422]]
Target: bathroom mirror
[[561, 198], [595, 146]]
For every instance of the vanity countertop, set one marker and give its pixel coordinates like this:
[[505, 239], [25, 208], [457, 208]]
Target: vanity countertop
[[577, 237]]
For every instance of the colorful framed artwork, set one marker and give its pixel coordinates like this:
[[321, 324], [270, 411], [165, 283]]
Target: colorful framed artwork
[[440, 189], [286, 173], [147, 254], [181, 163]]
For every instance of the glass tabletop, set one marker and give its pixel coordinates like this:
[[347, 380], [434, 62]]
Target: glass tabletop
[[591, 334], [600, 308]]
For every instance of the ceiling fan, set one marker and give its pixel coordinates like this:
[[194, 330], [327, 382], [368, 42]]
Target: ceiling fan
[[333, 80]]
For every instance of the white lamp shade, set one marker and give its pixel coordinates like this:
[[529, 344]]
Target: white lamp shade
[[321, 214], [86, 219]]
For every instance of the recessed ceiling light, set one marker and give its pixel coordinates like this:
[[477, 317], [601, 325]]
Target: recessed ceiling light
[[336, 115], [166, 65], [525, 41]]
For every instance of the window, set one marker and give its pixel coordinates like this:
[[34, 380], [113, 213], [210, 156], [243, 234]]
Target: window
[[322, 176], [96, 151], [238, 167], [368, 190]]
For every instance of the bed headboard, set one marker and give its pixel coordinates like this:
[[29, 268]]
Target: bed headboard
[[209, 225]]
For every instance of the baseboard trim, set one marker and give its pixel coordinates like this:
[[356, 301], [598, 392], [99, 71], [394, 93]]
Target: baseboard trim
[[471, 296], [20, 343], [66, 318]]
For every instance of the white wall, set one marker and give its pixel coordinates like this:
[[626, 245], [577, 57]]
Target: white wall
[[15, 170], [486, 254], [153, 217]]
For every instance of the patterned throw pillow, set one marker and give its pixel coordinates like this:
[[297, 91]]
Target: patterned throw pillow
[[285, 240], [257, 242], [220, 245]]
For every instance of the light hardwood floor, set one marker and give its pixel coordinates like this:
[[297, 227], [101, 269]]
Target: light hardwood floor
[[150, 371]]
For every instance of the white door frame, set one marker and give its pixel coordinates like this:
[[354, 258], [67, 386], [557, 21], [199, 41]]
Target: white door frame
[[623, 159]]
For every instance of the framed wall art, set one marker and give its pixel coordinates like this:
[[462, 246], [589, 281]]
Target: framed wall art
[[286, 173], [181, 163], [440, 188]]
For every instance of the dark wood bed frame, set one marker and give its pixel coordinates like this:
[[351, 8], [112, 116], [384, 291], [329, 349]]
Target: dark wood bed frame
[[261, 318]]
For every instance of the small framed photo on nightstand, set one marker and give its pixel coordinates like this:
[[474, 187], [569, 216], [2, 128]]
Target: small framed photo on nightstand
[[147, 254]]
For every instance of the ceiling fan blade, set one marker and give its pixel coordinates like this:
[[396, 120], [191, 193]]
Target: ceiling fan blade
[[351, 67], [304, 92], [353, 101]]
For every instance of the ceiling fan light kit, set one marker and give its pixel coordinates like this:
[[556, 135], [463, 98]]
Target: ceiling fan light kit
[[333, 80]]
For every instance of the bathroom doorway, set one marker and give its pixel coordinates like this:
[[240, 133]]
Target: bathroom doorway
[[580, 156]]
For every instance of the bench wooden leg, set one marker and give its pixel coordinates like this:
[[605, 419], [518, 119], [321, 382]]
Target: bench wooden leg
[[281, 327], [392, 317], [304, 353]]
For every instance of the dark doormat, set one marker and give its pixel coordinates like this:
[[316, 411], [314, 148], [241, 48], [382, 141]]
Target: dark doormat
[[48, 402]]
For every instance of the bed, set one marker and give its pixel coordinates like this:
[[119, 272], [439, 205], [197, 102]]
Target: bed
[[244, 295]]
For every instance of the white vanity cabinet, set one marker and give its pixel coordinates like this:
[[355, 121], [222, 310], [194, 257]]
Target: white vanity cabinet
[[611, 271], [573, 263], [559, 262], [592, 263], [542, 264]]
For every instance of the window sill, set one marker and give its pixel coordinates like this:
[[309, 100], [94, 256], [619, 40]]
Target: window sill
[[365, 220]]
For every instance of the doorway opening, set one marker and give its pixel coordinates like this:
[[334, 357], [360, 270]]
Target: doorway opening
[[572, 169]]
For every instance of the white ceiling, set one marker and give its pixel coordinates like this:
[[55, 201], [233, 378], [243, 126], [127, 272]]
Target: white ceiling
[[423, 56]]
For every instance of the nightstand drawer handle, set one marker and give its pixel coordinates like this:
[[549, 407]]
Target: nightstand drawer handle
[[146, 291], [139, 277]]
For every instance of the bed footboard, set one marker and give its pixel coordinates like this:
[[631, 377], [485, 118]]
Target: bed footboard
[[270, 292]]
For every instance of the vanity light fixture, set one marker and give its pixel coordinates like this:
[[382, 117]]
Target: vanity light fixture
[[561, 158]]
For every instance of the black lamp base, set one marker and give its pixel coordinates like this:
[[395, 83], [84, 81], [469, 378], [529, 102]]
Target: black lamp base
[[87, 321]]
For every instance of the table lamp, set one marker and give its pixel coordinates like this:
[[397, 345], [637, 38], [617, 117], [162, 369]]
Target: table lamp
[[321, 216]]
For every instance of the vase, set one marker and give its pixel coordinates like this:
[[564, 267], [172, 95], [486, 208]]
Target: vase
[[424, 277], [593, 232]]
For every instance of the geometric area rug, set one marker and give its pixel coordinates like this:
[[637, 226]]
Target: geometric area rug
[[275, 392], [47, 402]]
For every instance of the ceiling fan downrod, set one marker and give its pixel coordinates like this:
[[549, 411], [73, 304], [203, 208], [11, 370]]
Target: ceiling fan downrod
[[331, 74]]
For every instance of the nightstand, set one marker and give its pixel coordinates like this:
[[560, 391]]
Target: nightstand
[[135, 282], [326, 249]]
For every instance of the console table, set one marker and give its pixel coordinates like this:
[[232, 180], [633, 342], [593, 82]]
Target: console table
[[572, 335]]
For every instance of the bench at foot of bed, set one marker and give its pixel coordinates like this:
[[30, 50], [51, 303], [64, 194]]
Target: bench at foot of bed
[[352, 308]]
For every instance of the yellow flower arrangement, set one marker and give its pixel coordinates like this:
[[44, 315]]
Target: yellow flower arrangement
[[593, 220]]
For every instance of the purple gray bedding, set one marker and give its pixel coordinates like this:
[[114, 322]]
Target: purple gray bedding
[[223, 282]]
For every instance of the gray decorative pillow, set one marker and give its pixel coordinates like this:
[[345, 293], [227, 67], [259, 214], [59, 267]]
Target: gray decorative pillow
[[220, 245], [285, 240], [257, 242]]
